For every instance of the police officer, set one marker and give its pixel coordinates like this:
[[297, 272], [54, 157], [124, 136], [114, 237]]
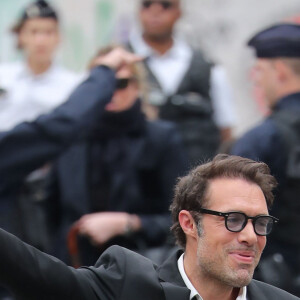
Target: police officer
[[275, 140], [37, 84], [183, 86]]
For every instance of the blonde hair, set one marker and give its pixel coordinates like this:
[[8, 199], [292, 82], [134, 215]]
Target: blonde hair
[[139, 72]]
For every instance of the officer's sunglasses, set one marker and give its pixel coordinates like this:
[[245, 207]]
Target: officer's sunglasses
[[122, 83], [164, 4], [237, 221]]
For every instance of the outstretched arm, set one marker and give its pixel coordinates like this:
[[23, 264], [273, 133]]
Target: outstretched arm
[[31, 274]]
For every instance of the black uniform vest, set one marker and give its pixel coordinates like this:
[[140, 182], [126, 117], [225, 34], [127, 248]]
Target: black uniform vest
[[190, 108]]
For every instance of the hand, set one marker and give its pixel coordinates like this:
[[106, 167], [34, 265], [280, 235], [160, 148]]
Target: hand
[[117, 58], [103, 226]]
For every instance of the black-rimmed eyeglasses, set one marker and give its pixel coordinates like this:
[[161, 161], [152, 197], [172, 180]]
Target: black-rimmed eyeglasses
[[236, 221], [123, 83]]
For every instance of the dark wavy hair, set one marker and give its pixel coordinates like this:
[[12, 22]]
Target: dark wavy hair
[[191, 190]]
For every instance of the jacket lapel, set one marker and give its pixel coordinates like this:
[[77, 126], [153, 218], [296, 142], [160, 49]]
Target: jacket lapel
[[175, 292], [171, 281], [254, 292], [136, 146], [175, 289], [153, 80]]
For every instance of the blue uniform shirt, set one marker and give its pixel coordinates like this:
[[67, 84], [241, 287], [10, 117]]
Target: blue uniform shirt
[[264, 143]]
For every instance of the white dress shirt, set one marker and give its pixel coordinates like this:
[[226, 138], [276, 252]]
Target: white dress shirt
[[170, 68], [25, 95], [194, 292]]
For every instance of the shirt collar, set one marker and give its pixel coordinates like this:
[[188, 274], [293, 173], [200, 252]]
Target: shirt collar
[[138, 44], [25, 72], [185, 278], [290, 101], [194, 292]]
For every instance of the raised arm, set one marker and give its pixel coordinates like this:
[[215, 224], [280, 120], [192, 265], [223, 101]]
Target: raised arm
[[29, 145], [32, 275]]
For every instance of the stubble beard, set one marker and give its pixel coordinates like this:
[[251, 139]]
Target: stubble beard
[[220, 271]]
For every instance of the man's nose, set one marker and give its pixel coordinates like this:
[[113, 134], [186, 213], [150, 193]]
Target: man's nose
[[248, 235], [41, 37]]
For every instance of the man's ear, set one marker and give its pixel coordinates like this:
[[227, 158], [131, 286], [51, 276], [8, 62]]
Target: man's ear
[[283, 71], [187, 224]]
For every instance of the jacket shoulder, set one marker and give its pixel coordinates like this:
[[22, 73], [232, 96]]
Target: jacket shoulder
[[249, 144], [260, 290], [121, 254], [124, 274]]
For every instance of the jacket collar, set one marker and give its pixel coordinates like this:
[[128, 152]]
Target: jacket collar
[[175, 289], [290, 102], [254, 292], [171, 280]]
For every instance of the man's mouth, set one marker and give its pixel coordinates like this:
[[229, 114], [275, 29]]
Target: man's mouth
[[243, 256]]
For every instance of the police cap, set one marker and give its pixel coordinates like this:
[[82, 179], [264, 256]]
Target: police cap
[[280, 40]]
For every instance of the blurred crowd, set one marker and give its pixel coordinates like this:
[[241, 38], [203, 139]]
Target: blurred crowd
[[72, 191]]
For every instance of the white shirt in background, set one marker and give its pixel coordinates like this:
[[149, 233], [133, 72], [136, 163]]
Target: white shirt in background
[[170, 68], [25, 96]]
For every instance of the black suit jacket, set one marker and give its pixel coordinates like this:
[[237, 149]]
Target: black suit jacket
[[143, 185], [119, 274]]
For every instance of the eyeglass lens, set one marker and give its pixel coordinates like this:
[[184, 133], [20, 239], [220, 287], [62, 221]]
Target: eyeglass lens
[[164, 4], [122, 83], [237, 221]]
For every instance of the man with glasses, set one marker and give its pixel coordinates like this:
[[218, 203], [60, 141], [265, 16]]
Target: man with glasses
[[183, 86], [220, 220]]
